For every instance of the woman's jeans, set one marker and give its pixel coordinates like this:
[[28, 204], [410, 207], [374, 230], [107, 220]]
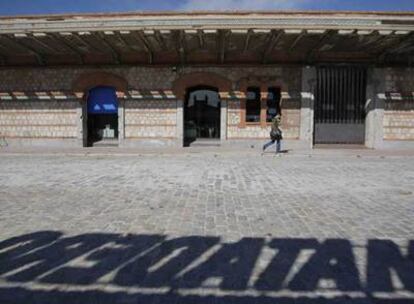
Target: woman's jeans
[[278, 145]]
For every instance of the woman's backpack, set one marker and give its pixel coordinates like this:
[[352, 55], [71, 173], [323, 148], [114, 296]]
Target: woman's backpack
[[276, 134]]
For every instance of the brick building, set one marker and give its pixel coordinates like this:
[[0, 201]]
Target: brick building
[[217, 77]]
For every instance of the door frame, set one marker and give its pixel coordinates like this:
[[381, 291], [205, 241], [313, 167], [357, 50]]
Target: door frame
[[360, 127], [222, 108], [84, 118]]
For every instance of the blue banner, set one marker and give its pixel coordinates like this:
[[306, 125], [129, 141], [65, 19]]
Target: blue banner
[[102, 100]]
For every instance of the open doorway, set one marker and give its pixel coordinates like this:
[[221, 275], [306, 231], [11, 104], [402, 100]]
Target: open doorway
[[102, 120], [201, 115]]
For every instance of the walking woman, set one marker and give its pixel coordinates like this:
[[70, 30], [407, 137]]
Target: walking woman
[[275, 134]]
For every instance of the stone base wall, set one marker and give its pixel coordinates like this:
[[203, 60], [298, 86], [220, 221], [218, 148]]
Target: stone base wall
[[399, 105], [38, 119], [398, 125], [150, 119]]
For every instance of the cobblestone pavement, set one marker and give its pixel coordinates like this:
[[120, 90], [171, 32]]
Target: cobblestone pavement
[[206, 228]]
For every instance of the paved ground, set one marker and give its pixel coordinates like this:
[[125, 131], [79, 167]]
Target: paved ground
[[206, 228]]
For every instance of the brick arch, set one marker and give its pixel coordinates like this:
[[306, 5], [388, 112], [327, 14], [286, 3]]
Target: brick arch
[[87, 81], [190, 80]]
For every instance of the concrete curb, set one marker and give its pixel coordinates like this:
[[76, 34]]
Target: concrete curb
[[317, 153]]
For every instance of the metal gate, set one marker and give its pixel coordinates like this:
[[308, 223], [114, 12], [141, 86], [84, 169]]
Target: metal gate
[[340, 105]]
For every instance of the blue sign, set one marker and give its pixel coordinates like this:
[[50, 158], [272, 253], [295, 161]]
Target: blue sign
[[102, 100]]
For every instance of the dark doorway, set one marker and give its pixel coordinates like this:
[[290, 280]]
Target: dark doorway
[[339, 112], [201, 115], [102, 116]]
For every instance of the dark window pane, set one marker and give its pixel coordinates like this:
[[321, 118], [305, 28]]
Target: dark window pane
[[273, 103], [253, 104]]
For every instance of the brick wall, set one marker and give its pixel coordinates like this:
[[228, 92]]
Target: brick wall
[[291, 88], [144, 118], [150, 119], [399, 105], [290, 125]]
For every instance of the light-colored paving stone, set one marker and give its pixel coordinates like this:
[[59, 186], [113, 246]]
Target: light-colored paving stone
[[230, 196], [209, 194]]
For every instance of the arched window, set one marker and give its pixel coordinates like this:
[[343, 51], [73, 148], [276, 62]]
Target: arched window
[[273, 106]]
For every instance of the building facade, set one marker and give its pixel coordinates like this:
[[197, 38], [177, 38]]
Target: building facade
[[178, 79]]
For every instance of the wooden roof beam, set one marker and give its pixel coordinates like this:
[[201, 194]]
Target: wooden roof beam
[[36, 37], [40, 58], [3, 55], [70, 47], [118, 35], [275, 37], [151, 37], [405, 43], [179, 38], [3, 60], [378, 38], [370, 37], [247, 40], [147, 45], [322, 40], [80, 37], [381, 58], [140, 42], [296, 41], [160, 40], [200, 36], [69, 37], [115, 55], [222, 44]]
